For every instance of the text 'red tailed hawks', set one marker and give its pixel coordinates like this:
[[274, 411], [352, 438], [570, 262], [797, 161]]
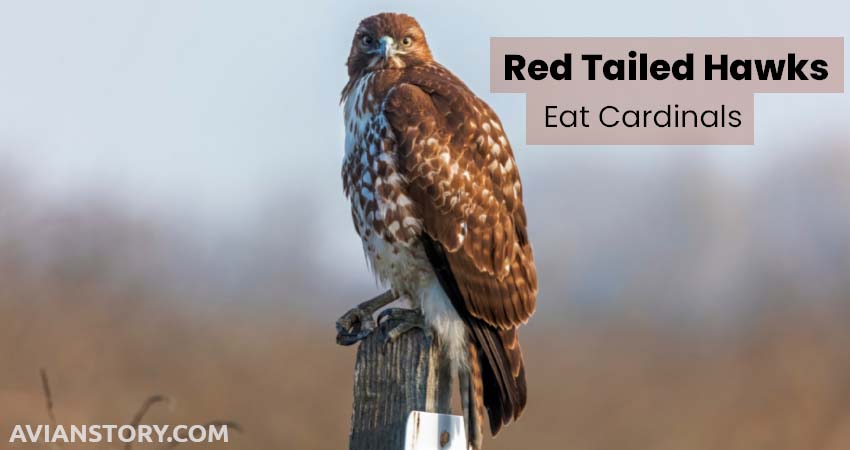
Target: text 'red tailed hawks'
[[437, 200]]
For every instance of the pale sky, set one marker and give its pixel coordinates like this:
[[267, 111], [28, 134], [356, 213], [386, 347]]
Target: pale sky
[[213, 107]]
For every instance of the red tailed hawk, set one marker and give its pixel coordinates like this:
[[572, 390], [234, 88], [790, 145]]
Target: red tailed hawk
[[437, 201]]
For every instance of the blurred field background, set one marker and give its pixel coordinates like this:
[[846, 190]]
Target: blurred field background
[[675, 312], [171, 221]]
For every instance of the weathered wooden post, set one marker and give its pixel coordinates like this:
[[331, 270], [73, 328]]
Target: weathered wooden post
[[391, 380]]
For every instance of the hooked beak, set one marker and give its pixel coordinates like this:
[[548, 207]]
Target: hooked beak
[[387, 48]]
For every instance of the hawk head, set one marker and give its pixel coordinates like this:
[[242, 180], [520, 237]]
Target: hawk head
[[387, 41]]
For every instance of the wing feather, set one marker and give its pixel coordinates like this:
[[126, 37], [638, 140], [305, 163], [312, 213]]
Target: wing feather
[[462, 176]]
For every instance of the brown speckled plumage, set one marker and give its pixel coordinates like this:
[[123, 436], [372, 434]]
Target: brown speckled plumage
[[436, 194]]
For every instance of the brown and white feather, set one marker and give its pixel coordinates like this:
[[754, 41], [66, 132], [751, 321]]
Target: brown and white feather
[[437, 201]]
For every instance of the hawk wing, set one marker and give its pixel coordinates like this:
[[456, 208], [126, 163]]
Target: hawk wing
[[462, 178]]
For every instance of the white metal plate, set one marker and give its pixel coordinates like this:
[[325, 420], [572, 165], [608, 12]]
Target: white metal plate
[[430, 431]]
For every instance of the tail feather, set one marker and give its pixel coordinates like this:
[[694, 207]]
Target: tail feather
[[472, 399], [502, 374], [497, 353]]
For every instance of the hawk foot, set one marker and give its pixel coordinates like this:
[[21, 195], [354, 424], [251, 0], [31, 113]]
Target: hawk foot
[[394, 322], [358, 323]]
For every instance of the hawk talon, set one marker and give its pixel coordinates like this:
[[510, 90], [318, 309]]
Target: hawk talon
[[394, 322], [354, 326], [358, 323]]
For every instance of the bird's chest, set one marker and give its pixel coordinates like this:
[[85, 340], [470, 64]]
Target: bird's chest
[[383, 213]]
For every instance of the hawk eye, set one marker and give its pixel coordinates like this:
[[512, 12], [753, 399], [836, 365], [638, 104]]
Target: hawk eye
[[407, 41], [367, 40]]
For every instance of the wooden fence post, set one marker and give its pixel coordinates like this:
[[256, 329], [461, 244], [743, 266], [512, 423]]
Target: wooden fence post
[[391, 380]]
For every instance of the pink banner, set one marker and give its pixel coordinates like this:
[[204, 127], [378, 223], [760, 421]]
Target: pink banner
[[656, 90]]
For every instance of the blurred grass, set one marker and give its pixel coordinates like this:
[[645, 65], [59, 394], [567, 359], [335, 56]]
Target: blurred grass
[[779, 382]]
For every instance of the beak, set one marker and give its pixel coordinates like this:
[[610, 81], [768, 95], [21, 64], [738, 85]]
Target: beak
[[387, 48]]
